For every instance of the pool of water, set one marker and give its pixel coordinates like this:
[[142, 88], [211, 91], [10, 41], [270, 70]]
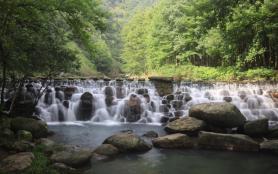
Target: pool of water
[[161, 161]]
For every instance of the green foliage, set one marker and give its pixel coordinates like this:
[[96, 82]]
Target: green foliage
[[40, 164], [233, 35]]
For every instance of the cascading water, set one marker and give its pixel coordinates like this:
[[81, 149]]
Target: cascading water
[[138, 101]]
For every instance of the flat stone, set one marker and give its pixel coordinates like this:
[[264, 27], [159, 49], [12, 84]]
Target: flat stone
[[173, 141]]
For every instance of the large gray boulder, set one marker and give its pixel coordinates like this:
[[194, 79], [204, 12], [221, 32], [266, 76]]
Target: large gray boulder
[[173, 141], [225, 115], [187, 125], [256, 128], [107, 150], [232, 142], [86, 107], [38, 128], [128, 142], [73, 157], [17, 163]]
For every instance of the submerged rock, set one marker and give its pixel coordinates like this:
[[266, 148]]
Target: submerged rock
[[256, 128], [269, 146], [173, 141], [17, 162], [224, 114], [128, 142], [232, 142], [188, 125], [38, 128], [150, 134]]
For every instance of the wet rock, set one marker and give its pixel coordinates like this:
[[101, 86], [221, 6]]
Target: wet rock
[[109, 91], [48, 99], [73, 157], [164, 108], [62, 168], [120, 92], [69, 91], [228, 99], [256, 128], [66, 104], [132, 109], [164, 119], [109, 101], [163, 85], [150, 134], [242, 94], [269, 146], [36, 127], [186, 97], [128, 142], [142, 91], [107, 150], [225, 93], [170, 97], [24, 135], [177, 104], [208, 95], [164, 102], [223, 114], [232, 142], [173, 141], [188, 125], [59, 94], [17, 162], [22, 146], [85, 108]]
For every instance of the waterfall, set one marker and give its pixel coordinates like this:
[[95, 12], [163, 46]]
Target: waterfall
[[138, 101]]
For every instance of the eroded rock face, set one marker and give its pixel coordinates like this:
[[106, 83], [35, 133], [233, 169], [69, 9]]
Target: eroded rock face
[[38, 128], [187, 125], [86, 107], [163, 85], [231, 142], [17, 162], [128, 142], [223, 115], [173, 141], [132, 109], [256, 128]]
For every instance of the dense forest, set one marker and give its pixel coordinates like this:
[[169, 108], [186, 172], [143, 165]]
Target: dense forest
[[190, 39]]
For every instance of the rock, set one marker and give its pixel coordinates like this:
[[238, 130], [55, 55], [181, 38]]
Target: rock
[[120, 92], [232, 142], [228, 99], [17, 162], [85, 108], [223, 115], [187, 125], [142, 91], [164, 108], [24, 135], [269, 146], [256, 128], [163, 85], [73, 157], [22, 146], [36, 127], [107, 150], [151, 134], [128, 142], [108, 91], [5, 123], [69, 91], [186, 97], [273, 134], [132, 109], [173, 141], [177, 104], [62, 168], [170, 97]]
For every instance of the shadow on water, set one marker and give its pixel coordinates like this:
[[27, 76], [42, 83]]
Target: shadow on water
[[160, 161]]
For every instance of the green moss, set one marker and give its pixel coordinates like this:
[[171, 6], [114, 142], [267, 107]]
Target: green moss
[[40, 164]]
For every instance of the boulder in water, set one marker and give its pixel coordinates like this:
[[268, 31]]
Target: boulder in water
[[173, 141], [38, 128], [85, 108], [150, 134], [107, 150], [109, 91], [256, 128], [69, 91], [24, 135], [132, 109], [187, 125], [142, 91], [232, 142], [269, 146], [228, 99], [17, 163], [223, 115], [128, 142], [176, 104], [163, 85]]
